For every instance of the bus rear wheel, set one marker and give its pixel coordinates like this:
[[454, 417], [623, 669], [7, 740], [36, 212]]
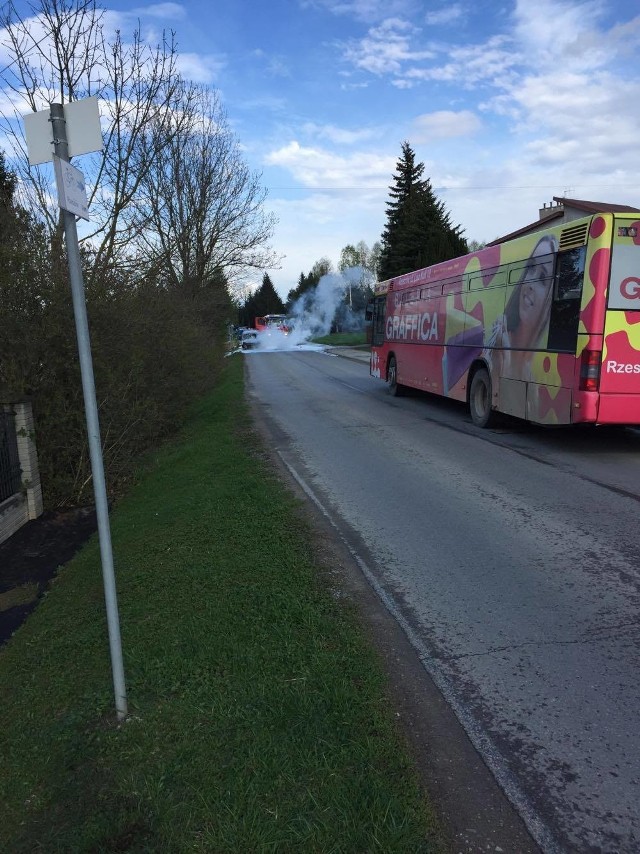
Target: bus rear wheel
[[480, 399], [394, 386]]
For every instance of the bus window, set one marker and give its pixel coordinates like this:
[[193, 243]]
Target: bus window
[[410, 296], [431, 291], [379, 306], [570, 274], [567, 294], [452, 286], [488, 279]]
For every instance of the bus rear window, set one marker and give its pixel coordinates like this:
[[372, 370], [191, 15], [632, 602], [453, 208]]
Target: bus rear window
[[570, 274], [567, 293], [624, 285]]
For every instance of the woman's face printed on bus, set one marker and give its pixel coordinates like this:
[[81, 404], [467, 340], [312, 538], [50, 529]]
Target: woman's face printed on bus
[[535, 286]]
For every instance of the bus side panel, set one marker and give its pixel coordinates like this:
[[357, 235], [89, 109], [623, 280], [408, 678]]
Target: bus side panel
[[620, 373], [550, 395], [619, 409], [548, 404], [462, 343], [413, 334], [621, 354]]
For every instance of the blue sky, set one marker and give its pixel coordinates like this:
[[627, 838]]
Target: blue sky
[[506, 103]]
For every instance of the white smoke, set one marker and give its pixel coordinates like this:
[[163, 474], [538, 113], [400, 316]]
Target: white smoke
[[319, 310], [329, 304]]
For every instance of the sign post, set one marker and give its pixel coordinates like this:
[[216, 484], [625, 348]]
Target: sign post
[[72, 201]]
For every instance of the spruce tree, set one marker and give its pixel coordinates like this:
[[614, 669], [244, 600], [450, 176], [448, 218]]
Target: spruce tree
[[418, 231], [308, 282], [264, 301]]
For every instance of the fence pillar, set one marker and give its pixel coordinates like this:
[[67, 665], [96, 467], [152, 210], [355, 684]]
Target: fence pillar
[[28, 458]]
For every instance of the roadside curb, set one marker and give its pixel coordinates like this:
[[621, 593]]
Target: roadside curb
[[354, 353]]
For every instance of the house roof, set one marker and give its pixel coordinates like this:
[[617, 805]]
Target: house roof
[[594, 207], [564, 202]]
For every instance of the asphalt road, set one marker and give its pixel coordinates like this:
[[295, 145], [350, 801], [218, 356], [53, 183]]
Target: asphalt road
[[511, 561]]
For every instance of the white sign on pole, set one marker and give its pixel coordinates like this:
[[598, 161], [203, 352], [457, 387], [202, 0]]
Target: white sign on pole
[[72, 193], [83, 131]]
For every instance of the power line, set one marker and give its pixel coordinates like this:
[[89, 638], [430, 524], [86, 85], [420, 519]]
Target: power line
[[451, 189]]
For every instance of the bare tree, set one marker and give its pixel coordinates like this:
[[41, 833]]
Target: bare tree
[[62, 53], [205, 205], [51, 57], [144, 116]]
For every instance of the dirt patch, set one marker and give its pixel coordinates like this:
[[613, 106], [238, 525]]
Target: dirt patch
[[31, 557]]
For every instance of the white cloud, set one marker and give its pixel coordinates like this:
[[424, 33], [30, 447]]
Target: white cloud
[[559, 34], [164, 11], [444, 124], [560, 30], [386, 48], [491, 62], [341, 136], [322, 168], [444, 16], [143, 18], [625, 37], [365, 10], [584, 119], [352, 86], [12, 103], [200, 68]]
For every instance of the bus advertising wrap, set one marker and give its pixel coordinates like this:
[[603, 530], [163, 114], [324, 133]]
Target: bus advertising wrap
[[553, 319]]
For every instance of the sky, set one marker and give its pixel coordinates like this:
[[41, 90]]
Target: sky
[[506, 102]]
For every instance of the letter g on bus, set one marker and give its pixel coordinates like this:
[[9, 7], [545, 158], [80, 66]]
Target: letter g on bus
[[630, 287]]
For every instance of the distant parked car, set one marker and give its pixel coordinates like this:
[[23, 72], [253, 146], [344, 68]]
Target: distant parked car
[[249, 339]]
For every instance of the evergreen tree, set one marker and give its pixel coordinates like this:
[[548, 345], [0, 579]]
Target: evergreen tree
[[418, 231], [296, 292], [306, 283], [264, 301]]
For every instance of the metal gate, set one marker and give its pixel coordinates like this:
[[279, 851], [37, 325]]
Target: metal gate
[[10, 471]]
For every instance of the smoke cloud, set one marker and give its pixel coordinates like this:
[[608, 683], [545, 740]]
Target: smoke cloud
[[328, 306]]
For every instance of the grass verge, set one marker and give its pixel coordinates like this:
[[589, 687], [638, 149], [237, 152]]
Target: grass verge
[[258, 717], [343, 339]]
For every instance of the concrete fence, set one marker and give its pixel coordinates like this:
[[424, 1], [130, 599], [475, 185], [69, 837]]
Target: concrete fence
[[18, 469]]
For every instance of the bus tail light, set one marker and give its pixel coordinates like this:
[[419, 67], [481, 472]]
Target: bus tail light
[[590, 370]]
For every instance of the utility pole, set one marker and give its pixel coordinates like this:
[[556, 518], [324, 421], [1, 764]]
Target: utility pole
[[61, 150]]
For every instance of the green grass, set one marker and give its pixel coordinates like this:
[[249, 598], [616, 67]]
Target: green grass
[[258, 714], [343, 339]]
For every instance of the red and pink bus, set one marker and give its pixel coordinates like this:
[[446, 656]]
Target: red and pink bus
[[545, 327]]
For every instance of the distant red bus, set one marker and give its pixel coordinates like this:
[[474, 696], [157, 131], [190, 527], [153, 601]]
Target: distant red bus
[[272, 321], [545, 327]]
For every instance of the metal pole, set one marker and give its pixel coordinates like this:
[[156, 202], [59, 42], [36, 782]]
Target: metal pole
[[93, 426]]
